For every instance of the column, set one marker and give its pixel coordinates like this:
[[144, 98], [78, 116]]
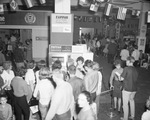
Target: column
[[141, 39]]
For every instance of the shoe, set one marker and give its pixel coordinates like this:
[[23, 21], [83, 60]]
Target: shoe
[[119, 112]]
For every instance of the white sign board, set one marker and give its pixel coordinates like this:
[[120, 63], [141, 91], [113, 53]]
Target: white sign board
[[61, 23]]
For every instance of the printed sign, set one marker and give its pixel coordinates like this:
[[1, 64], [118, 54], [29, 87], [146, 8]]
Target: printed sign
[[61, 23]]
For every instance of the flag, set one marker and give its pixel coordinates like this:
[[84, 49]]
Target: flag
[[13, 5], [1, 9], [121, 13], [94, 7], [42, 1], [138, 13], [108, 9], [29, 3], [135, 13]]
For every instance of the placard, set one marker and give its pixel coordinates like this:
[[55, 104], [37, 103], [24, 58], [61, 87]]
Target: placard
[[61, 23]]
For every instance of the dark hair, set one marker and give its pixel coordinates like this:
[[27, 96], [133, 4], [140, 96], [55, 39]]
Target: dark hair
[[88, 96], [80, 59], [131, 59], [41, 63], [72, 69], [21, 72], [6, 65], [117, 62], [31, 64], [88, 63], [56, 65]]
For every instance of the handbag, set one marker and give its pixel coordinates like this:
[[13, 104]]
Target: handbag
[[33, 101]]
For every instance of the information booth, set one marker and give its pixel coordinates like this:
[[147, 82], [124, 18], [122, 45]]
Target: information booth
[[65, 52]]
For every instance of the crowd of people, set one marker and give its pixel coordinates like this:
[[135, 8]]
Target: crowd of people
[[59, 97], [116, 48], [73, 94]]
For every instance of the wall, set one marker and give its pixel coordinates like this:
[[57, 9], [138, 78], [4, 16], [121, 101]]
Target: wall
[[84, 23], [40, 43]]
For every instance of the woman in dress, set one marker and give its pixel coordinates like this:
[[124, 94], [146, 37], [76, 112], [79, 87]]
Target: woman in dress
[[116, 84]]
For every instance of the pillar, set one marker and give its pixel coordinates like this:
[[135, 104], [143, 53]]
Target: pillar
[[62, 23], [141, 38]]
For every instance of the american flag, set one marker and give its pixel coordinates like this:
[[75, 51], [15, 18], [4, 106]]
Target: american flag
[[108, 9], [121, 13]]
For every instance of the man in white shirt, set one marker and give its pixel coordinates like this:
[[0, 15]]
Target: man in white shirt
[[44, 90], [124, 54], [62, 100], [136, 55]]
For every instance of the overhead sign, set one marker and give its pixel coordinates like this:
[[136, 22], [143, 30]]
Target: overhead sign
[[61, 23]]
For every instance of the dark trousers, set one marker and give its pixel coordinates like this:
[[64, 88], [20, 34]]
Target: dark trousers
[[10, 96], [21, 107], [111, 58]]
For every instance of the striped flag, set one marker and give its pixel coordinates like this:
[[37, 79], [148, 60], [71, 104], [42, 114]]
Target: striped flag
[[13, 5], [108, 9], [42, 1], [1, 9], [121, 13], [29, 3]]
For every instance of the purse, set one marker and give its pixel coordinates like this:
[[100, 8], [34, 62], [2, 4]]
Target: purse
[[33, 101]]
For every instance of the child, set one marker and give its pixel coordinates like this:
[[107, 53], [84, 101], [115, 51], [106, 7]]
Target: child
[[79, 67], [5, 109], [146, 115]]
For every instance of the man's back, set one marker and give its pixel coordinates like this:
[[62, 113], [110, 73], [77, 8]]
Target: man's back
[[77, 85], [62, 99]]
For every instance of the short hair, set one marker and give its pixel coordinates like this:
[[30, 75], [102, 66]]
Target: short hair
[[31, 64], [117, 62], [80, 59], [88, 96], [42, 63], [72, 69], [56, 65], [6, 65], [44, 73], [131, 59], [88, 63], [21, 72]]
